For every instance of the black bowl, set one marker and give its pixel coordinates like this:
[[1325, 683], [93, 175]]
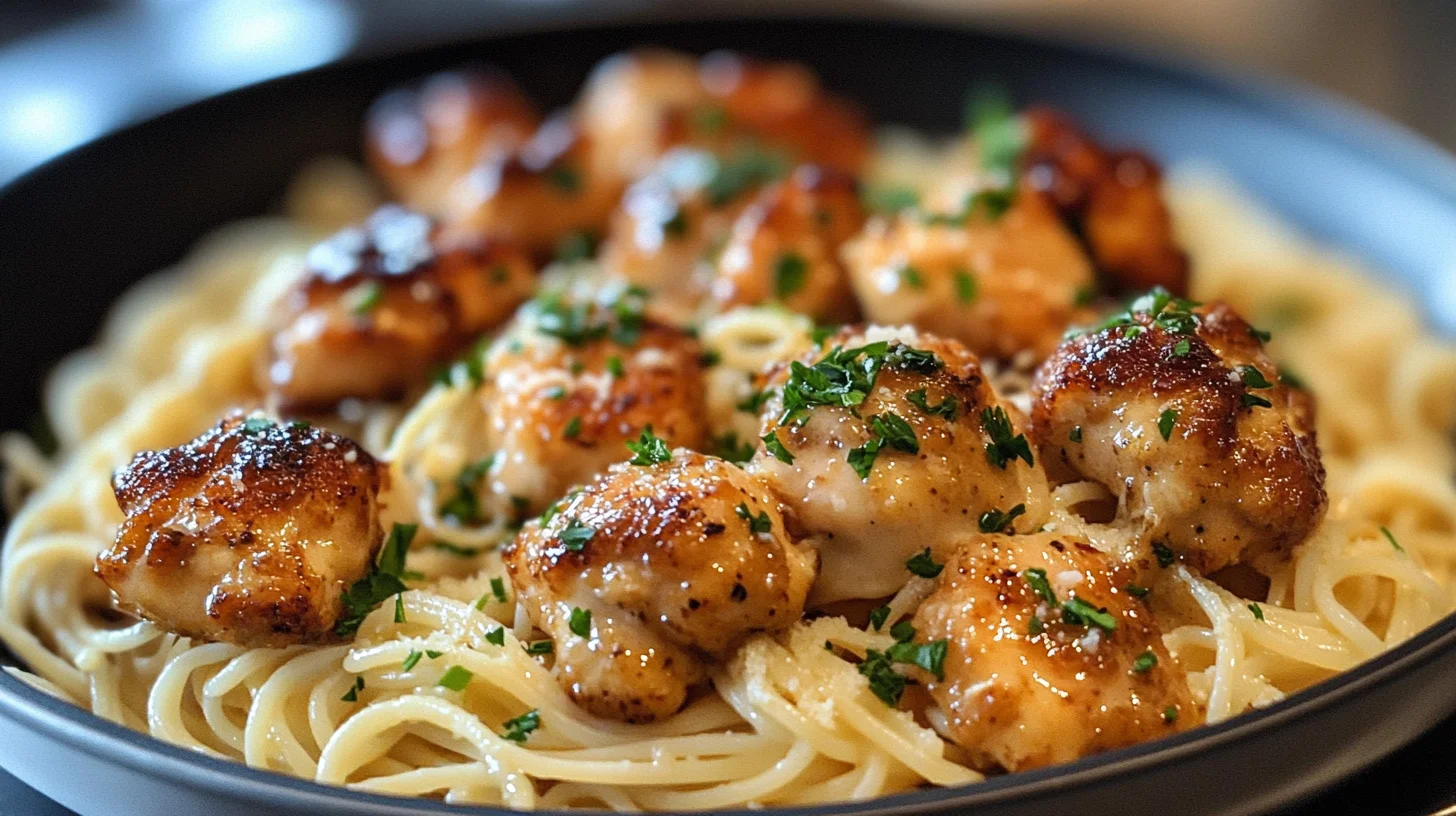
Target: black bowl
[[80, 229]]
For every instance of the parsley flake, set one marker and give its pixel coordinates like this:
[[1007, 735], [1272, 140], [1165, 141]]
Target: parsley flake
[[352, 695], [384, 579], [519, 728], [649, 450], [995, 521], [790, 272], [580, 623], [1257, 610], [965, 286], [756, 524], [947, 409], [776, 447], [1166, 420], [455, 678], [1145, 662], [1385, 531], [576, 535], [1003, 447], [923, 565]]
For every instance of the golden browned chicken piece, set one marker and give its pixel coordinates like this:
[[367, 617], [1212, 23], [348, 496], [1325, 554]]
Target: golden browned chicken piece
[[785, 247], [422, 141], [382, 302], [886, 442], [538, 194], [249, 534], [576, 382], [651, 572], [1176, 409], [1049, 656], [1004, 276], [1114, 199], [672, 223], [638, 105]]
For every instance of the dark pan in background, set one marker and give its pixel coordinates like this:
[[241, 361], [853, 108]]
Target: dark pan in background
[[79, 230]]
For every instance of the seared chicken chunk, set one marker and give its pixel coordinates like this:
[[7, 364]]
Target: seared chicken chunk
[[785, 247], [1113, 199], [674, 221], [575, 383], [1049, 657], [1000, 282], [423, 141], [885, 442], [638, 105], [538, 194], [249, 534], [382, 302], [1177, 410], [651, 572]]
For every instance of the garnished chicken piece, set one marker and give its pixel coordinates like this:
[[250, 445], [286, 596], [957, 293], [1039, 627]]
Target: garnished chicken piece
[[673, 222], [885, 442], [575, 383], [638, 105], [542, 194], [1114, 199], [249, 534], [785, 247], [1177, 410], [658, 567], [1003, 276], [1050, 655], [423, 141], [382, 302]]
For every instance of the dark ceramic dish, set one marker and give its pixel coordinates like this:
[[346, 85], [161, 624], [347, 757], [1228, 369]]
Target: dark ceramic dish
[[79, 230]]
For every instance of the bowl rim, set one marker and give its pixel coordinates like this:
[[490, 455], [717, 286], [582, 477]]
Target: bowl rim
[[1380, 141]]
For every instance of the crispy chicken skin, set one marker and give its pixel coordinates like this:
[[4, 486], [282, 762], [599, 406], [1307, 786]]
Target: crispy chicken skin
[[422, 141], [382, 302], [539, 192], [638, 105], [1115, 199], [1239, 471], [1020, 694], [785, 247], [249, 534], [557, 414], [1001, 284], [909, 500], [678, 569]]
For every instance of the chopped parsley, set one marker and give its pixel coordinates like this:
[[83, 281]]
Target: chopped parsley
[[928, 656], [890, 430], [878, 616], [923, 565], [1136, 591], [519, 728], [1253, 377], [464, 506], [1173, 315], [399, 608], [890, 200], [496, 636], [846, 376], [965, 285], [947, 409], [1252, 401], [575, 247], [888, 684], [576, 535], [995, 521], [1289, 378], [776, 447], [1075, 434], [649, 450], [498, 589], [790, 272], [1145, 662], [615, 367], [384, 579], [756, 524], [577, 324], [352, 695], [1170, 714], [256, 424], [572, 429], [413, 659], [1078, 612], [912, 277], [364, 298], [1036, 578], [1260, 335], [432, 654], [1257, 610], [903, 631], [819, 334], [1164, 555], [741, 171], [455, 678], [1003, 447], [1166, 420], [1385, 531], [1182, 347], [1000, 137], [539, 647], [885, 683], [728, 447], [754, 401], [580, 623]]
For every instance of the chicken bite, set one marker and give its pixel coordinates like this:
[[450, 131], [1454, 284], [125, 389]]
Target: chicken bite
[[575, 382], [885, 442], [1113, 199], [382, 302], [785, 247], [652, 572], [1004, 276], [422, 141], [249, 534], [1050, 657], [1177, 410], [638, 105]]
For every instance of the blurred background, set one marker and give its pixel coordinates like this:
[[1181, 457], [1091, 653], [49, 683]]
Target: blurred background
[[71, 70]]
